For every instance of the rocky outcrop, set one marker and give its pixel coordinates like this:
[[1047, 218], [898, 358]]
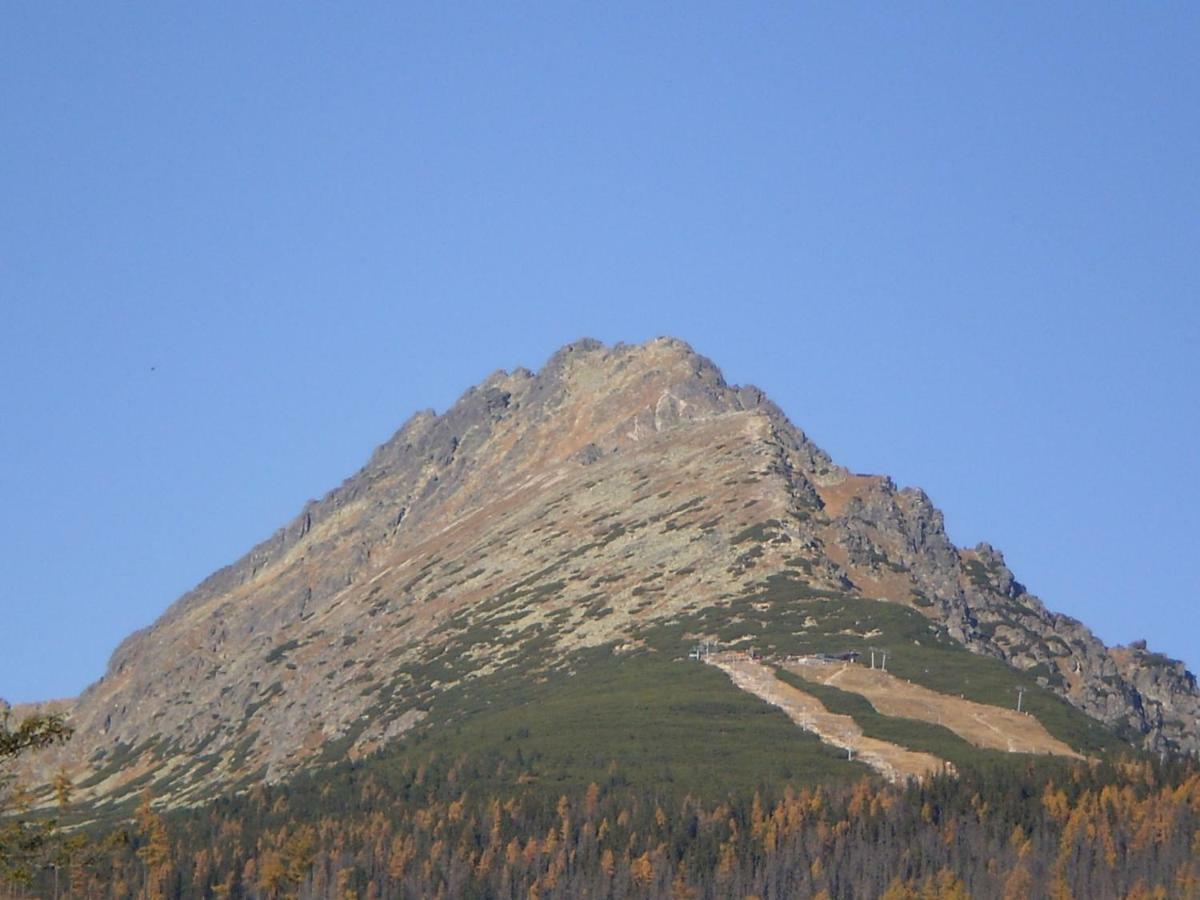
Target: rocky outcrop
[[892, 544]]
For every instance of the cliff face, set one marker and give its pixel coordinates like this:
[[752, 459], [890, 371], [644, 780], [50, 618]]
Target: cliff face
[[558, 511], [891, 544]]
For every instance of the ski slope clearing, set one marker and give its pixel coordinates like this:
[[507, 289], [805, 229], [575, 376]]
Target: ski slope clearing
[[977, 723], [892, 761]]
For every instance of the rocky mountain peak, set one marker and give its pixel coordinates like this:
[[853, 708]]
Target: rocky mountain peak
[[558, 511]]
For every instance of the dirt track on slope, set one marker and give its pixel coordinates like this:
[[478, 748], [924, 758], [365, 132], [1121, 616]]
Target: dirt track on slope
[[891, 760], [976, 723]]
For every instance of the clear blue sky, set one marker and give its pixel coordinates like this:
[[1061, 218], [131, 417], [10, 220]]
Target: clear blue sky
[[957, 243]]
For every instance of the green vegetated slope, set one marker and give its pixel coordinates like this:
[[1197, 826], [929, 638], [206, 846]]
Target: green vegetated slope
[[789, 617], [661, 724], [654, 719]]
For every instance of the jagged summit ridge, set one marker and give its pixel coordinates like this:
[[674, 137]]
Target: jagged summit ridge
[[683, 385], [565, 509]]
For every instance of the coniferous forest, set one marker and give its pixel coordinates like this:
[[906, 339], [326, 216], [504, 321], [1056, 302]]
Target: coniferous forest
[[1125, 828]]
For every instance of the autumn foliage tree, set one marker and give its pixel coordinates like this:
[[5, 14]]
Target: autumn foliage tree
[[1095, 830], [22, 839]]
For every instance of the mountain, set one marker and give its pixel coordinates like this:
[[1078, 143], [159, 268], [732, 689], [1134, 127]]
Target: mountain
[[559, 538]]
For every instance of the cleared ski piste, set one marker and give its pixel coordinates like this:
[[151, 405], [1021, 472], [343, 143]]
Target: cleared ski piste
[[892, 761], [987, 726]]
